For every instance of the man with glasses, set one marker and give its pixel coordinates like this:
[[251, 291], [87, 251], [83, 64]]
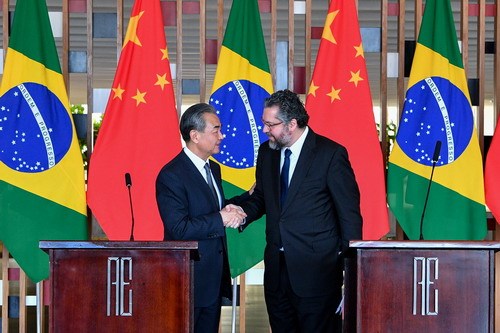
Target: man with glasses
[[306, 187]]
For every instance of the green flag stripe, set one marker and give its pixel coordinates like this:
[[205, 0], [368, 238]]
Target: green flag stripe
[[445, 42], [450, 214], [34, 22], [249, 46], [31, 219]]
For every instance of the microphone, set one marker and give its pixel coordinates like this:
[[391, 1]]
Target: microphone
[[435, 158], [437, 150], [128, 180], [128, 183]]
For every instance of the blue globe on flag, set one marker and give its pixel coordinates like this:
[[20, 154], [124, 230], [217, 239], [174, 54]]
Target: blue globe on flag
[[35, 128], [435, 110], [239, 105]]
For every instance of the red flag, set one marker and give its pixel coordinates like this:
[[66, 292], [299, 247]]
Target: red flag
[[139, 133], [492, 175], [339, 103]]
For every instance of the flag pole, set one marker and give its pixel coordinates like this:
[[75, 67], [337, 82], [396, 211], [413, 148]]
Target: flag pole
[[38, 308], [233, 314]]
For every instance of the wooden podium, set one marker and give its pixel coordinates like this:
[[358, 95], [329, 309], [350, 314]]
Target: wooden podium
[[420, 286], [121, 286]]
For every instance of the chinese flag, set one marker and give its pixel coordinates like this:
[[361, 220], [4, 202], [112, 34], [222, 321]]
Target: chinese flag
[[492, 175], [339, 103], [139, 133]]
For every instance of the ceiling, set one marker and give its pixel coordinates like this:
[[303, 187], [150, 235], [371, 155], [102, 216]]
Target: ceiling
[[105, 54]]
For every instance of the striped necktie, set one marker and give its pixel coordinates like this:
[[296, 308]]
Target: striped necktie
[[211, 183]]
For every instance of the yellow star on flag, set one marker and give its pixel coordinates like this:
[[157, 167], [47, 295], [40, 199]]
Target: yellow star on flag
[[359, 51], [139, 97], [312, 89], [356, 78], [162, 80], [327, 31], [131, 35], [164, 53], [334, 94], [118, 92]]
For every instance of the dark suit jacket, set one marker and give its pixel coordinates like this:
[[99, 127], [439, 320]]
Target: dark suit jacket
[[319, 217], [190, 212]]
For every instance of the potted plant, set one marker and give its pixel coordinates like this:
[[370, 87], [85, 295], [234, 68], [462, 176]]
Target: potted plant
[[391, 130], [97, 126], [80, 120]]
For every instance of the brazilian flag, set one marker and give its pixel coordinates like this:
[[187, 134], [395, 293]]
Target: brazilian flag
[[437, 121], [42, 187], [241, 84]]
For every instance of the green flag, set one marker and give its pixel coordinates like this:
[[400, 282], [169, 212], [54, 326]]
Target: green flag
[[437, 112], [242, 82], [42, 187]]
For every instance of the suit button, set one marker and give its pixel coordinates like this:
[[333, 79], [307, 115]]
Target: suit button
[[220, 251]]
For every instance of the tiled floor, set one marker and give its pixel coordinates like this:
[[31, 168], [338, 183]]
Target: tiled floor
[[256, 313]]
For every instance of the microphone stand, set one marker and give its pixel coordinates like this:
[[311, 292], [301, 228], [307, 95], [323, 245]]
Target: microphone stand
[[128, 183], [132, 212], [435, 158]]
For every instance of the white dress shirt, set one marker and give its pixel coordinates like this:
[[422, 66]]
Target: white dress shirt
[[294, 156], [200, 165]]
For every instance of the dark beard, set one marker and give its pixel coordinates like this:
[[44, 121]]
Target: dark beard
[[274, 145]]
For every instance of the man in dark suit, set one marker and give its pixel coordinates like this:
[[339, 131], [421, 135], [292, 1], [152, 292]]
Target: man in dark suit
[[306, 187], [189, 196]]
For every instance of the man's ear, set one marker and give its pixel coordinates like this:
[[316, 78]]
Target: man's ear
[[194, 135], [292, 124]]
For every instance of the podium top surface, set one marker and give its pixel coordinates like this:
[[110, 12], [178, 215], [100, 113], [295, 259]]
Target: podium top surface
[[137, 245], [423, 244]]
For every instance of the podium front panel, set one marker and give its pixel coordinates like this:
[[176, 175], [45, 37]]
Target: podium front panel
[[420, 290], [121, 290]]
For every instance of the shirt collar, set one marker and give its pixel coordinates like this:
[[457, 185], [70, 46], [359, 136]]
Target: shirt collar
[[197, 161], [297, 145]]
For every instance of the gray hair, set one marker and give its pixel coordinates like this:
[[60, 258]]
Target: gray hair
[[192, 119]]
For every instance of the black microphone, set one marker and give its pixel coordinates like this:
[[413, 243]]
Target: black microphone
[[437, 150], [128, 180], [435, 158], [128, 183]]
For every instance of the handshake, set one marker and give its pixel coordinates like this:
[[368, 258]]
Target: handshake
[[233, 216]]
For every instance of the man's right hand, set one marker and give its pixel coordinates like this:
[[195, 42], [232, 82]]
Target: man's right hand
[[232, 216]]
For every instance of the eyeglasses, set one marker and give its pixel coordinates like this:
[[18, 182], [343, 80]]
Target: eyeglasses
[[271, 125]]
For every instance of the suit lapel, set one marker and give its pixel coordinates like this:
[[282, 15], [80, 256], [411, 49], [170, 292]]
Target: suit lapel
[[218, 178], [191, 168], [203, 186], [304, 163], [274, 182]]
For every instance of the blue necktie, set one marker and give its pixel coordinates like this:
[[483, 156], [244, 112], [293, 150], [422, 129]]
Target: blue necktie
[[284, 176]]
